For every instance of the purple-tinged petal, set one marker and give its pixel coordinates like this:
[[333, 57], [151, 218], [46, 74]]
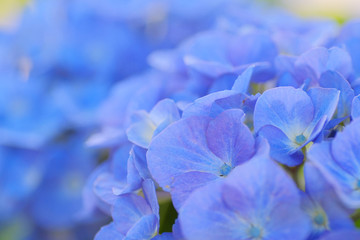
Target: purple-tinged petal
[[203, 106], [181, 148], [186, 183], [229, 139]]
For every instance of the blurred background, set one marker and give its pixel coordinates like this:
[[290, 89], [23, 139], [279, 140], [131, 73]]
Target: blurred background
[[60, 61]]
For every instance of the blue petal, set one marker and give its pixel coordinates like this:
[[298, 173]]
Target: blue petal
[[164, 110], [141, 132], [286, 108], [109, 232], [186, 183], [355, 109], [242, 83], [235, 101], [203, 106], [282, 149], [229, 139], [325, 101], [343, 182], [346, 148], [322, 194], [164, 236], [180, 148], [150, 196], [229, 209], [331, 79], [342, 234], [145, 228], [128, 210]]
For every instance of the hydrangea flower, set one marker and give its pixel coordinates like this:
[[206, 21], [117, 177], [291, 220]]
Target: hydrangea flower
[[290, 118], [239, 206], [338, 161], [134, 217], [196, 150], [321, 203]]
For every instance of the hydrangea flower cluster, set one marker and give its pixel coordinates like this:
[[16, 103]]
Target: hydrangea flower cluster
[[251, 127], [245, 119]]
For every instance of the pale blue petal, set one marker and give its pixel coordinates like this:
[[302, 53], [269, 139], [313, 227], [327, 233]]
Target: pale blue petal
[[355, 109], [286, 108]]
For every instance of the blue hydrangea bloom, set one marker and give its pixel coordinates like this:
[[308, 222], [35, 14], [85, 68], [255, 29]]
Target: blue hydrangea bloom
[[57, 202], [322, 205], [195, 150], [338, 161], [290, 118], [240, 206], [26, 120], [21, 173]]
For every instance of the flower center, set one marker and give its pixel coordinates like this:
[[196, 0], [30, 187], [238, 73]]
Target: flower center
[[255, 232], [225, 170], [300, 139], [319, 219]]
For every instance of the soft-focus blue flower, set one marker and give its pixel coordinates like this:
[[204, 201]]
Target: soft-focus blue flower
[[338, 161], [322, 205], [196, 150], [21, 172], [290, 118], [27, 119], [257, 200], [350, 37], [216, 53], [57, 201], [127, 97], [147, 125]]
